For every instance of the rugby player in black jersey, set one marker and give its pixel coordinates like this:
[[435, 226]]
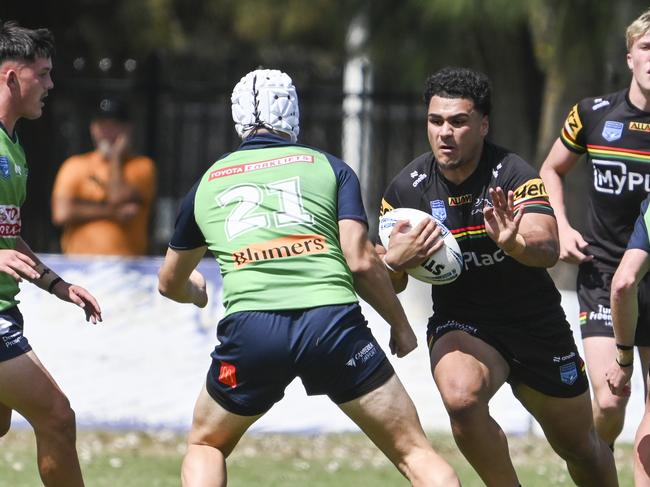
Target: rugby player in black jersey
[[501, 320], [614, 131]]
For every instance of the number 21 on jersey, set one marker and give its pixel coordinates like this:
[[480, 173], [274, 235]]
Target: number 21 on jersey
[[248, 197]]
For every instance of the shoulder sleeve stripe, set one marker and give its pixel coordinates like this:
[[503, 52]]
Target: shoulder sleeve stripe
[[571, 131], [570, 144]]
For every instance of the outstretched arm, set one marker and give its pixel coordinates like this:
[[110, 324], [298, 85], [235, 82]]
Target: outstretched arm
[[373, 285], [178, 278], [26, 264], [625, 311]]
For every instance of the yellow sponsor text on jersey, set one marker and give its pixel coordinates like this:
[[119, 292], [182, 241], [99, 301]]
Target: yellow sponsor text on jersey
[[533, 188], [385, 207], [465, 199], [573, 124], [639, 126]]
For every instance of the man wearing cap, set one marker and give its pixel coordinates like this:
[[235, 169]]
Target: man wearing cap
[[103, 198], [287, 226]]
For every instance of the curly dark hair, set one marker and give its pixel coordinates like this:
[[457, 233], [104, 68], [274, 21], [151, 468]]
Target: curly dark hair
[[452, 82], [22, 44]]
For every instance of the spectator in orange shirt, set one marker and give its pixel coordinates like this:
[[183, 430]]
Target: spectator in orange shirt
[[103, 198]]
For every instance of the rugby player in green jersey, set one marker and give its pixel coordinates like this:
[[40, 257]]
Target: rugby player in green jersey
[[25, 384], [287, 226], [634, 266]]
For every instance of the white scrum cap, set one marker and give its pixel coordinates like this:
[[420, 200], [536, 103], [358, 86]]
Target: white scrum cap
[[266, 98]]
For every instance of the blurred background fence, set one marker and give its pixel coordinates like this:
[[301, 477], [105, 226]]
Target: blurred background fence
[[185, 126], [177, 60]]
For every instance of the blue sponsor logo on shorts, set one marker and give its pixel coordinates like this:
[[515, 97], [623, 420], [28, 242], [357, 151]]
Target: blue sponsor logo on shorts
[[569, 373], [438, 210]]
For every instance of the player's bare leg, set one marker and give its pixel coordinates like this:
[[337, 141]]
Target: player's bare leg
[[468, 372], [215, 433], [569, 428], [28, 388], [387, 415], [608, 409], [5, 419]]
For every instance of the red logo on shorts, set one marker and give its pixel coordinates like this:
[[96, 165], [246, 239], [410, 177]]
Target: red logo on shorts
[[228, 374]]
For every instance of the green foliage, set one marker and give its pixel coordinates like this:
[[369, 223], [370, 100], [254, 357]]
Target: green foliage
[[502, 13]]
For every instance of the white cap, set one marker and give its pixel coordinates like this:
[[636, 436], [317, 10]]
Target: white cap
[[266, 98]]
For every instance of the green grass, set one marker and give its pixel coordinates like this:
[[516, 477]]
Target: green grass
[[138, 459]]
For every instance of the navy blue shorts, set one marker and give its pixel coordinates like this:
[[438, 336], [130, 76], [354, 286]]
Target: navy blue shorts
[[12, 341], [330, 348]]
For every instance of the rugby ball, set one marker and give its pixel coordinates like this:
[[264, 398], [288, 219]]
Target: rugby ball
[[442, 267]]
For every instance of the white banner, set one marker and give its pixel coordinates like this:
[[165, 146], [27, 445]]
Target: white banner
[[145, 364]]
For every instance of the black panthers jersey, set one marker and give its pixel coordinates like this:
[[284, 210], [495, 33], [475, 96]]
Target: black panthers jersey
[[616, 137], [493, 287]]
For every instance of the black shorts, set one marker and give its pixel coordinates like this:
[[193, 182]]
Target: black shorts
[[330, 348], [541, 355], [594, 286], [12, 341]]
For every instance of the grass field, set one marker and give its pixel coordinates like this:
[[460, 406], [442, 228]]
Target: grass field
[[137, 459]]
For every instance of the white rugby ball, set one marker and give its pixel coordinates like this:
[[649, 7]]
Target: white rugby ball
[[442, 267]]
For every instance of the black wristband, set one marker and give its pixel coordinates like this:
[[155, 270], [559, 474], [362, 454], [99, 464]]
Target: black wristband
[[53, 283], [624, 347], [624, 365]]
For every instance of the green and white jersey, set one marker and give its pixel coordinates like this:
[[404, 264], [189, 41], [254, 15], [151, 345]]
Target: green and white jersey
[[269, 213], [13, 188]]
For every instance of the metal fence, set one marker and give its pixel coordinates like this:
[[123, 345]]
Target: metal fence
[[184, 126]]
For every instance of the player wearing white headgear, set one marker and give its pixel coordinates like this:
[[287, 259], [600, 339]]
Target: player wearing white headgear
[[287, 226], [266, 98]]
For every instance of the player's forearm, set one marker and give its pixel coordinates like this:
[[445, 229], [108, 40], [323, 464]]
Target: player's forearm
[[183, 292], [47, 279], [624, 311], [399, 279], [555, 188], [534, 249], [374, 286]]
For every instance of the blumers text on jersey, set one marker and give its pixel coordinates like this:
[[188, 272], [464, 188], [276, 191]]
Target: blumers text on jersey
[[269, 213], [615, 135], [13, 184], [493, 287]]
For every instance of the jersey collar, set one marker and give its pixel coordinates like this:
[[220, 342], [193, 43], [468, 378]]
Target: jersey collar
[[13, 138], [262, 141], [632, 106]]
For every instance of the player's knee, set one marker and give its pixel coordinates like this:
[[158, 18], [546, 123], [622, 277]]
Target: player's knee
[[579, 448], [59, 421], [422, 466], [461, 405], [610, 406]]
